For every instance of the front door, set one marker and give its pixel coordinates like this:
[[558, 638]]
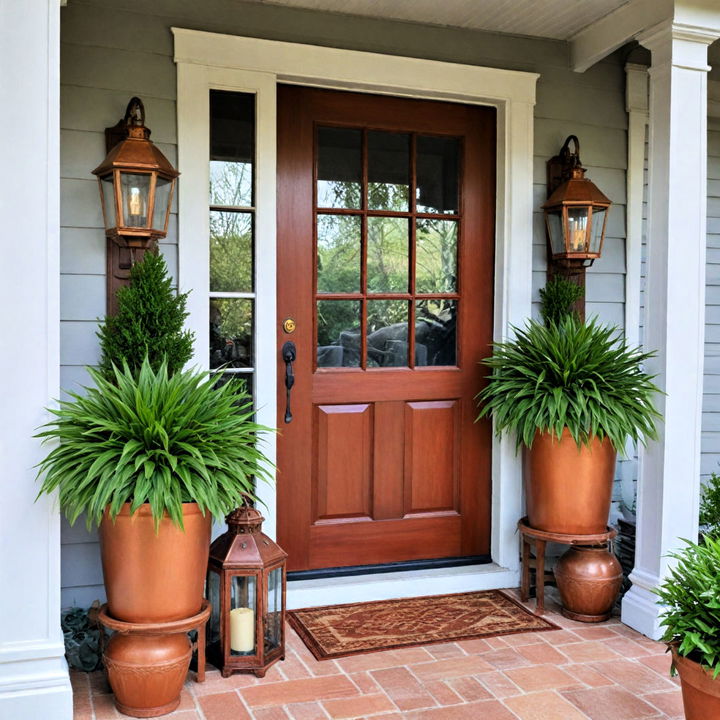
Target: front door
[[386, 212]]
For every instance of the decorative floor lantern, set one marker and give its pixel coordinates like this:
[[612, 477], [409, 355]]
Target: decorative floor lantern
[[246, 590]]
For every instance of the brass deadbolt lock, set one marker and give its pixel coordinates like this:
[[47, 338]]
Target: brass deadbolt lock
[[289, 325]]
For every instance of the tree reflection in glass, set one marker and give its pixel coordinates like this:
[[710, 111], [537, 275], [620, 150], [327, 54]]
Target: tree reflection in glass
[[338, 331], [387, 333]]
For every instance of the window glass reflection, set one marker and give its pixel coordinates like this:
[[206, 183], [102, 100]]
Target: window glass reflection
[[437, 174], [388, 171], [338, 330], [387, 333], [339, 168], [435, 332]]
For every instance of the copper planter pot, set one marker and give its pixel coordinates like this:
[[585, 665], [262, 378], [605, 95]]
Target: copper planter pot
[[589, 580], [569, 489], [154, 577], [701, 694]]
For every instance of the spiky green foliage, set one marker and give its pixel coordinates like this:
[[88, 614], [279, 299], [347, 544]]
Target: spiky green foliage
[[149, 322], [156, 438], [557, 299], [691, 599], [710, 507], [569, 374]]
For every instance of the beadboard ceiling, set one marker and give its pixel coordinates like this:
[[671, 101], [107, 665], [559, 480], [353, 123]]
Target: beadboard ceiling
[[558, 19]]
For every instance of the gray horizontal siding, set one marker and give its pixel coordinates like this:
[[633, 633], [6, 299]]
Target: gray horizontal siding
[[111, 51]]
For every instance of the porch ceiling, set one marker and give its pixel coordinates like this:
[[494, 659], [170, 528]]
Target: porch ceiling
[[557, 19]]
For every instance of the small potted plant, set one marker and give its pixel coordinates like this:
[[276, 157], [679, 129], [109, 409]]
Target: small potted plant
[[690, 596], [572, 393]]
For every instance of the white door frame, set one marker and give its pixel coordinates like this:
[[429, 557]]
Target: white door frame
[[209, 60]]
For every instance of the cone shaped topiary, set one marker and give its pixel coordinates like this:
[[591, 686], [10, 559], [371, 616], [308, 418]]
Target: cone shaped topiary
[[149, 322]]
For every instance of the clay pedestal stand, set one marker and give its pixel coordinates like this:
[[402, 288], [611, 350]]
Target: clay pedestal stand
[[540, 538], [146, 663]]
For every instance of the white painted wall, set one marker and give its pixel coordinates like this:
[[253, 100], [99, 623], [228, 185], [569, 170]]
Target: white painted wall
[[110, 53]]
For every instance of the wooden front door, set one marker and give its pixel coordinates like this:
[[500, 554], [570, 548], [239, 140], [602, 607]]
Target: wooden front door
[[386, 213]]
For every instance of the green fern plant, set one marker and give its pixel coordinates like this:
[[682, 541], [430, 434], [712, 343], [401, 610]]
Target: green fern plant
[[557, 299], [149, 322], [152, 437], [571, 375], [691, 599]]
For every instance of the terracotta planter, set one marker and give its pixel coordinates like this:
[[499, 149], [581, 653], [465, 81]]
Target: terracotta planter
[[589, 580], [569, 489], [154, 577], [147, 672], [701, 694]]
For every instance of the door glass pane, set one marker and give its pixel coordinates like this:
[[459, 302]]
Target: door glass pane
[[339, 168], [387, 254], [338, 253], [436, 255], [231, 332], [388, 171], [243, 605], [435, 332], [232, 148], [387, 333], [231, 244], [338, 328], [437, 174]]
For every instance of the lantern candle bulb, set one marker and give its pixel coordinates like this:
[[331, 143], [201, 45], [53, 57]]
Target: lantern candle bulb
[[242, 630]]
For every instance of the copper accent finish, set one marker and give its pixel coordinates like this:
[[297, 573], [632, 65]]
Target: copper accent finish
[[153, 577], [569, 489], [701, 694]]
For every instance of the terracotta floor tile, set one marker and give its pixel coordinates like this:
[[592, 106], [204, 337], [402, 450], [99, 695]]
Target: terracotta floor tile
[[669, 702], [542, 654], [597, 633], [412, 655], [469, 689], [104, 707], [306, 711], [523, 638], [180, 715], [370, 661], [455, 667], [541, 677], [305, 690], [633, 676], [443, 651], [585, 674], [292, 667], [499, 685], [626, 647], [358, 707], [269, 713], [588, 651], [659, 663], [608, 703], [544, 706], [485, 710], [496, 643], [403, 688], [559, 637], [82, 709], [505, 659], [364, 682], [223, 706], [475, 646], [98, 683], [442, 692]]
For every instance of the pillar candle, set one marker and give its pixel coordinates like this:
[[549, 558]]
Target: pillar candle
[[242, 630]]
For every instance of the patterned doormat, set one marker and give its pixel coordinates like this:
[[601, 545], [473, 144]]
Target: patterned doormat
[[340, 630]]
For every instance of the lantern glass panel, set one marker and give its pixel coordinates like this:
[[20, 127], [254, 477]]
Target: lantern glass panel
[[213, 593], [555, 230], [107, 188], [273, 625], [243, 606], [134, 193], [163, 186], [577, 229], [596, 229]]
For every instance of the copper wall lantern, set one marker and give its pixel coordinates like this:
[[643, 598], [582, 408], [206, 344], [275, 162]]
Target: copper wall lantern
[[137, 183], [246, 589], [576, 211]]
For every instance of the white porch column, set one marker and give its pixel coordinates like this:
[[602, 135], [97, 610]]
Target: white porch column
[[674, 305], [34, 683]]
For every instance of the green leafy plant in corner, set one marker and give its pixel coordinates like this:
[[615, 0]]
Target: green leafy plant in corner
[[569, 374], [557, 299], [82, 639], [149, 322], [152, 437], [710, 507], [691, 599]]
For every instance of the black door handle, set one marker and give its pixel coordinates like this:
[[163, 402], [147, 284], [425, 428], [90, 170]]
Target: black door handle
[[289, 353]]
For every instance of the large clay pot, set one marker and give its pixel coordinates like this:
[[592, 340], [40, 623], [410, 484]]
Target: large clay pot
[[154, 577], [589, 580], [147, 672], [569, 489], [701, 694]]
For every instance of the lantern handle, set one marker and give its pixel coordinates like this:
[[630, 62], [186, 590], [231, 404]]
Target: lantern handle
[[571, 159], [135, 113]]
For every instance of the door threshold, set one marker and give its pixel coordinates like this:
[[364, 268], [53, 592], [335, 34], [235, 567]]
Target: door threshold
[[366, 587]]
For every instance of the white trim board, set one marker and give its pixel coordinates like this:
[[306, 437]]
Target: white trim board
[[209, 60]]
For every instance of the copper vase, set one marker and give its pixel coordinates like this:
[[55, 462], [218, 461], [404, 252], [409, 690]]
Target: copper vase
[[569, 489], [589, 580], [147, 672], [154, 577], [701, 694]]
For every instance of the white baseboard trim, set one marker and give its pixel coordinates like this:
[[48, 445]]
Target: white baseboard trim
[[641, 612], [385, 586]]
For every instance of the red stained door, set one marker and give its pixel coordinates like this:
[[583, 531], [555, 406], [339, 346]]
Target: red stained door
[[386, 213]]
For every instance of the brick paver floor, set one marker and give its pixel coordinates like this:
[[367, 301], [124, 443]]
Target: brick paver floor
[[603, 672]]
